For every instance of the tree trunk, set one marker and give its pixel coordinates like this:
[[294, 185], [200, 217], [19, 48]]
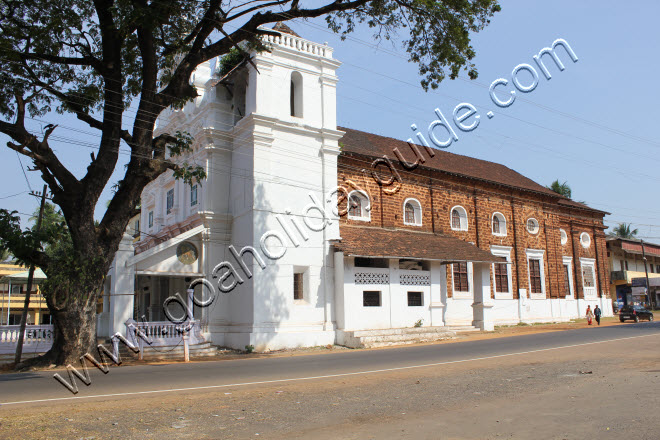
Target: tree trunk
[[75, 333], [72, 297]]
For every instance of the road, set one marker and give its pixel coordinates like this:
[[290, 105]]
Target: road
[[361, 393], [157, 378]]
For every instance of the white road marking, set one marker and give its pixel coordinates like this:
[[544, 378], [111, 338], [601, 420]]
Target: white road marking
[[296, 379]]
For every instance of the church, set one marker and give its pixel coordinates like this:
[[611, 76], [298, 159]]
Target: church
[[306, 234]]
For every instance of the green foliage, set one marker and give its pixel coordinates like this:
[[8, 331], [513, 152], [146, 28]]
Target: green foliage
[[70, 28], [5, 255], [71, 276], [438, 32], [28, 246], [53, 226], [418, 323], [624, 230], [249, 348], [91, 60], [561, 188], [231, 60], [190, 174], [238, 54]]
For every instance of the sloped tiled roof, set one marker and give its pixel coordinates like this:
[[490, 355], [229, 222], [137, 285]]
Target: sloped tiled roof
[[281, 27], [396, 243], [368, 144]]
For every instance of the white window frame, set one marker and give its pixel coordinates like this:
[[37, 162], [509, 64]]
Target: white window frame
[[592, 292], [536, 254], [460, 294], [196, 187], [569, 262], [463, 218], [586, 245], [365, 210], [417, 207], [296, 93], [380, 299], [150, 219], [563, 237], [502, 219], [173, 208], [304, 270], [502, 251], [536, 222]]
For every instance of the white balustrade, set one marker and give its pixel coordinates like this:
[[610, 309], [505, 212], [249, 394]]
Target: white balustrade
[[165, 333], [37, 338], [300, 44]]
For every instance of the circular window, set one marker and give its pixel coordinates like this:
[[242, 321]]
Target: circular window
[[585, 240], [532, 226], [186, 252], [564, 237]]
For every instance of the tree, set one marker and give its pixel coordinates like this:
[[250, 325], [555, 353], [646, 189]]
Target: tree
[[52, 217], [5, 255], [623, 230], [96, 59], [561, 188]]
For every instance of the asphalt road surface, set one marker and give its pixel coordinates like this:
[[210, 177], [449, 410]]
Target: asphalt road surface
[[132, 380]]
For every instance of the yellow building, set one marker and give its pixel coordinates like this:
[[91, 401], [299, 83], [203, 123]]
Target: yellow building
[[13, 285], [627, 270]]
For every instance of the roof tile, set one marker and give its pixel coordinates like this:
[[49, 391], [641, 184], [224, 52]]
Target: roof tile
[[368, 241]]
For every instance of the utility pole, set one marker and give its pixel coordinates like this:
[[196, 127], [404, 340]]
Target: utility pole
[[646, 270], [26, 303]]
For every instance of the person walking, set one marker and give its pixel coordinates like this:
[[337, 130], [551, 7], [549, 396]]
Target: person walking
[[590, 315], [597, 313]]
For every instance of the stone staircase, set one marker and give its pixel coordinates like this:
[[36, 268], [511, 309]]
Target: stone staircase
[[401, 336]]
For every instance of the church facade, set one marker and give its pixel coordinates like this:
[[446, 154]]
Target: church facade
[[303, 231]]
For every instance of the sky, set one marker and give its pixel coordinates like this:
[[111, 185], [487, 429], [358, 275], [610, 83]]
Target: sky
[[592, 125]]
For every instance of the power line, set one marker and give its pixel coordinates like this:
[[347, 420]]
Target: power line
[[24, 173], [23, 169], [13, 195], [515, 118], [487, 86]]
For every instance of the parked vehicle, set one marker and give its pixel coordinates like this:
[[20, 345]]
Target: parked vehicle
[[635, 313]]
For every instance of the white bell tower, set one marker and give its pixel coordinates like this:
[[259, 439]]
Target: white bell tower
[[278, 165]]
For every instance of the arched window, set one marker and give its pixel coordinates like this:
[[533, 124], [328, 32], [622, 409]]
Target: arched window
[[412, 212], [355, 206], [459, 219], [358, 206], [499, 224], [564, 237], [296, 101]]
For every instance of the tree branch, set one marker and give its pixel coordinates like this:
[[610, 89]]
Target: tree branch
[[76, 61], [178, 85], [39, 151], [255, 8]]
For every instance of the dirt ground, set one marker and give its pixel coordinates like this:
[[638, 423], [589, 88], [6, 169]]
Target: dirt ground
[[594, 391]]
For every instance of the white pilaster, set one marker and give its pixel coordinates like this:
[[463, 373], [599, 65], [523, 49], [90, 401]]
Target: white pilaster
[[438, 285], [340, 312], [483, 304], [122, 290]]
